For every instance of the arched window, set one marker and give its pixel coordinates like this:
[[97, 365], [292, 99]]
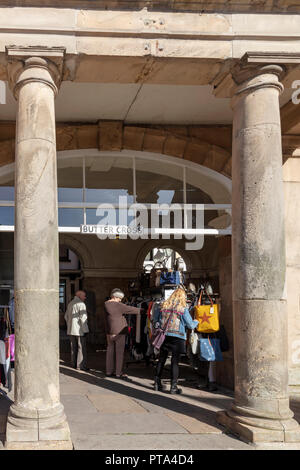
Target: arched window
[[88, 178]]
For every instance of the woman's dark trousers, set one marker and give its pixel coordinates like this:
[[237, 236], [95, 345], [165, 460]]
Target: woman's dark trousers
[[174, 364]]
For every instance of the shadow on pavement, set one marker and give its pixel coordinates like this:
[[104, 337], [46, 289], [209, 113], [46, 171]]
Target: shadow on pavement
[[159, 399]]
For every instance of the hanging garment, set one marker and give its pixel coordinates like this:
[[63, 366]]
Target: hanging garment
[[5, 364], [12, 347], [2, 352], [3, 328], [11, 310], [11, 336], [222, 336], [155, 278]]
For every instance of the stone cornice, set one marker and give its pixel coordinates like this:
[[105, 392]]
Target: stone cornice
[[271, 58], [99, 42], [56, 54], [275, 6]]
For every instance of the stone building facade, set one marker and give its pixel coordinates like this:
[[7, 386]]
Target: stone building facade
[[202, 86]]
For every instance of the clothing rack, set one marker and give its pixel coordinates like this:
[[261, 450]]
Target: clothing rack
[[152, 294], [141, 331]]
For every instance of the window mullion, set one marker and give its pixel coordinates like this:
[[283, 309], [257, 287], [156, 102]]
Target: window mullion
[[83, 190]]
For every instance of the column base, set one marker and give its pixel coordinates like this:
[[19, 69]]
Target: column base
[[294, 392], [266, 430], [40, 445], [277, 446], [35, 426]]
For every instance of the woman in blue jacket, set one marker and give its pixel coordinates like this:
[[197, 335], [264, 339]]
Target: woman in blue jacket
[[174, 313]]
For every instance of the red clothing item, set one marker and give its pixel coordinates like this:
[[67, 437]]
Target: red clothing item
[[149, 309]]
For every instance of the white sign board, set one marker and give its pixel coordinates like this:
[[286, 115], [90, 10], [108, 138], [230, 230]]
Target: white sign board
[[110, 230]]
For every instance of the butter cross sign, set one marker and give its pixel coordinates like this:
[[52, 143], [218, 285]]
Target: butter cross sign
[[110, 229]]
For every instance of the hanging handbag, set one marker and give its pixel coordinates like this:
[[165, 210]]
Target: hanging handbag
[[210, 349], [193, 340], [155, 274], [170, 277], [207, 316], [159, 335]]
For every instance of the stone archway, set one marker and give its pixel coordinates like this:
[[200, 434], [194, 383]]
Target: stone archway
[[81, 250], [192, 143], [195, 143]]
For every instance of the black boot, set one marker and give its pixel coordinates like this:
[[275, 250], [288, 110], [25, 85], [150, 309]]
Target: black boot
[[174, 389], [158, 386], [212, 387], [203, 386]]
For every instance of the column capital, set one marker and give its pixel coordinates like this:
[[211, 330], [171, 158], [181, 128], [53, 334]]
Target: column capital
[[253, 66], [34, 64], [251, 77]]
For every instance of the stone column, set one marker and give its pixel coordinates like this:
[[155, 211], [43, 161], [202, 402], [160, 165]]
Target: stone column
[[260, 412], [37, 416]]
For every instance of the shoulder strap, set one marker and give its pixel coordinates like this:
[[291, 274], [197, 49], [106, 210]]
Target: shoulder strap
[[200, 298], [209, 298], [167, 323]]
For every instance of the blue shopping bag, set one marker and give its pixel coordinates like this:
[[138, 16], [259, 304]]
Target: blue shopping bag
[[172, 277], [210, 349]]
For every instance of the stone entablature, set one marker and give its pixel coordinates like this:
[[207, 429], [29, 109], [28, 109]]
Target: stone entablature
[[175, 5], [144, 46]]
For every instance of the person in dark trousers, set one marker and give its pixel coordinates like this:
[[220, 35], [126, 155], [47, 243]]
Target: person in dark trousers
[[116, 329], [174, 315], [77, 328]]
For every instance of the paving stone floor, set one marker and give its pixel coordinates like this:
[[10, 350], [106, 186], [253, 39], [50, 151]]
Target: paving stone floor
[[111, 414]]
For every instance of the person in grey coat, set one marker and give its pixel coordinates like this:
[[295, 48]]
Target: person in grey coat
[[77, 328]]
